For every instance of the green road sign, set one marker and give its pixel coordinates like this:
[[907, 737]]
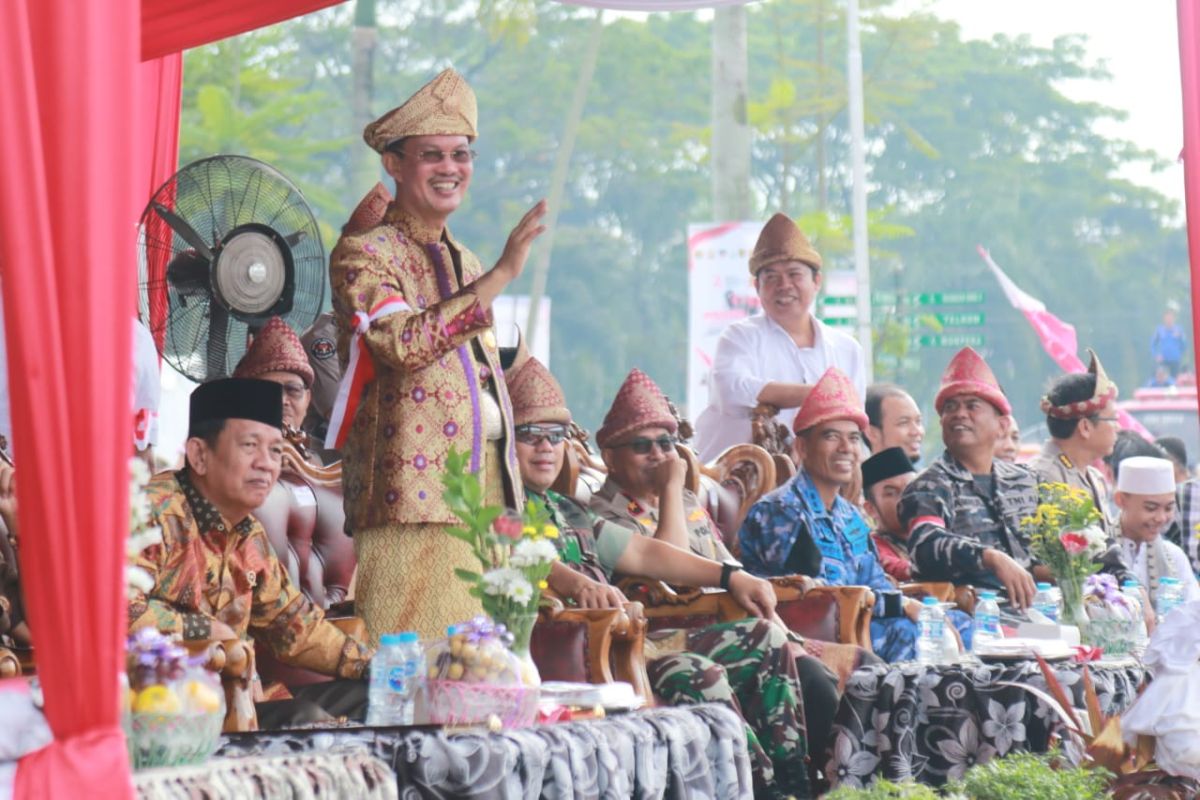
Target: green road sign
[[927, 298], [955, 319], [947, 340], [910, 363], [840, 322], [837, 300]]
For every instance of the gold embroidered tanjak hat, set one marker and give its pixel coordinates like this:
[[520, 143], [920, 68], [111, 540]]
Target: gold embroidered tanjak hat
[[1105, 392], [782, 240], [832, 398], [639, 404], [443, 107], [276, 348], [536, 396], [968, 373]]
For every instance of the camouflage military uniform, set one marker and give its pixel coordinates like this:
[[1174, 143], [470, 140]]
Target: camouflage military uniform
[[952, 520], [748, 665], [1052, 465]]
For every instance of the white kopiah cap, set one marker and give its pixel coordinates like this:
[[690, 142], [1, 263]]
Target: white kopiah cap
[[1146, 475]]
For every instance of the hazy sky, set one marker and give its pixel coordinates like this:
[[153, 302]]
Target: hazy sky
[[1138, 43]]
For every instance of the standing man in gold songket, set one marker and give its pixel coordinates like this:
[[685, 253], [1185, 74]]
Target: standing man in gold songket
[[414, 317]]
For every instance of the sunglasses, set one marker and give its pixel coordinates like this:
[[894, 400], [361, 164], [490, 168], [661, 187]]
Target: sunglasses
[[536, 434], [642, 446]]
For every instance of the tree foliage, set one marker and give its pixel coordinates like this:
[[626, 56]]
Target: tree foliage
[[968, 142]]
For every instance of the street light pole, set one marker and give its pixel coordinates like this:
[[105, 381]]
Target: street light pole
[[862, 262]]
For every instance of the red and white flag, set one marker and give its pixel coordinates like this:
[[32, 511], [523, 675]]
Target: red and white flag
[[1057, 337]]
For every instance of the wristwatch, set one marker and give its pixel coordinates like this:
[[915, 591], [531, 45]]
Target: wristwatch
[[728, 567]]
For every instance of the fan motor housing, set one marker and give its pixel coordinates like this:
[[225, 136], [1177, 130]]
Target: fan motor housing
[[253, 275]]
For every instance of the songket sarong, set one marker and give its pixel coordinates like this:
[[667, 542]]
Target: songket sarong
[[406, 579]]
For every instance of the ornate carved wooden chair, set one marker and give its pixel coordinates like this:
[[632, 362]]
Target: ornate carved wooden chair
[[234, 662], [840, 614], [591, 645], [773, 436], [730, 485]]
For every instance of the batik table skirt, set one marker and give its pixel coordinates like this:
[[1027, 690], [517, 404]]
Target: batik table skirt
[[685, 752], [931, 723]]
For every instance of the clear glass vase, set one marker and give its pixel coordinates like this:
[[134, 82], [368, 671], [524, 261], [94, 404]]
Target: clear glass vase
[[521, 627], [1073, 610]]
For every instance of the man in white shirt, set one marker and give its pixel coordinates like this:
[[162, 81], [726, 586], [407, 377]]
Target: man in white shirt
[[774, 357], [1146, 497]]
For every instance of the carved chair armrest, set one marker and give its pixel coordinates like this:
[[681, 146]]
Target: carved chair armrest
[[615, 642], [683, 607], [855, 604], [10, 665], [234, 661], [353, 627], [963, 596]]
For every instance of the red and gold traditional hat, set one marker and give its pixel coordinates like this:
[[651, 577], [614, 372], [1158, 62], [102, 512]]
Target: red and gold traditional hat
[[443, 107], [968, 373], [782, 240], [639, 404], [276, 348], [1106, 392], [834, 397], [536, 396]]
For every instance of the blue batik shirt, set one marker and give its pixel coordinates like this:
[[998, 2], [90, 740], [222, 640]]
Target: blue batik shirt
[[848, 558]]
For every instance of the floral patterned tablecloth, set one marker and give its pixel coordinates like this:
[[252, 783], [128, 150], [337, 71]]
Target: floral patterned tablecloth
[[687, 752], [931, 723]]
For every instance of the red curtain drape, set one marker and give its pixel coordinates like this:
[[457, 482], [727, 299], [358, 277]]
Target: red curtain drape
[[1189, 67], [68, 78], [160, 96], [169, 26]]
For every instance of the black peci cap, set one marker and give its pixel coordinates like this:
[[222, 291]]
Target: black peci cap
[[236, 398]]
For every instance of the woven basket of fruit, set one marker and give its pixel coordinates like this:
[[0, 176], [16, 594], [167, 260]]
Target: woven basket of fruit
[[175, 707], [462, 703]]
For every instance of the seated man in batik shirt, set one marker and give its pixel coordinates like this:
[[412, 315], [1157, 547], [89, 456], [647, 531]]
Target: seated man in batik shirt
[[749, 665], [805, 527], [215, 574]]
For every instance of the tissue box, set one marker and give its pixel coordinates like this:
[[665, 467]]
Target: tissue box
[[1036, 630]]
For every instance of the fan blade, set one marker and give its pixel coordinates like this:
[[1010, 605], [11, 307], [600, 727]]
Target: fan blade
[[180, 226], [218, 341], [294, 239]]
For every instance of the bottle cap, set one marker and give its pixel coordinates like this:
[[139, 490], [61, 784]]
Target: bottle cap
[[1043, 587], [451, 631], [407, 637], [930, 601], [1168, 581], [389, 639], [1129, 583], [987, 594]]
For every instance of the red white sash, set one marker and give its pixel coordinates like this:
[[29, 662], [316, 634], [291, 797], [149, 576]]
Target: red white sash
[[359, 371]]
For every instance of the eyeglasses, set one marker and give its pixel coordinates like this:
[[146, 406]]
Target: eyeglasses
[[642, 446], [536, 434], [460, 156], [294, 391]]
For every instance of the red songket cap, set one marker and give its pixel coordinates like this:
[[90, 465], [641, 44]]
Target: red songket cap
[[639, 404], [276, 348], [968, 373], [535, 394], [833, 397]]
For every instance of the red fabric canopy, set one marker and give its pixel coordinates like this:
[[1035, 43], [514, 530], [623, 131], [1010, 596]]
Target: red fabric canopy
[[169, 26]]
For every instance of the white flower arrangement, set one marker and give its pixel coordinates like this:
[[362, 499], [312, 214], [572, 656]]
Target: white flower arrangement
[[508, 582], [1096, 539], [141, 533], [532, 553]]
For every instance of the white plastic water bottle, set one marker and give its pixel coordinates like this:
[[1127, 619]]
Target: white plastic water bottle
[[930, 624], [1138, 634], [987, 620], [397, 673], [1170, 595], [1046, 602]]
